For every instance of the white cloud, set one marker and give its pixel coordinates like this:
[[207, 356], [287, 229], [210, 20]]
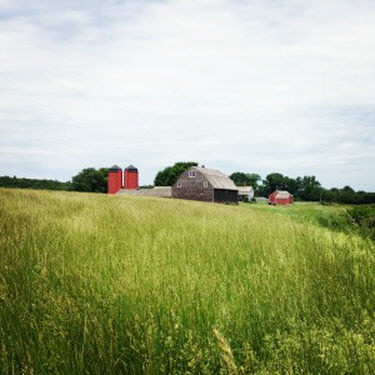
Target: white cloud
[[263, 87]]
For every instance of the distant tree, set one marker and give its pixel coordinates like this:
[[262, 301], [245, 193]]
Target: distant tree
[[169, 175], [274, 181], [33, 183], [91, 180], [261, 191], [309, 188], [328, 196], [245, 179], [348, 195], [348, 189], [291, 185]]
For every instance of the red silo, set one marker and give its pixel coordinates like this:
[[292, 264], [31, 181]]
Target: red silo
[[114, 179], [131, 177]]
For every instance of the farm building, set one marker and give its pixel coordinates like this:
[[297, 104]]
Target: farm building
[[280, 197], [245, 193], [203, 184], [117, 180]]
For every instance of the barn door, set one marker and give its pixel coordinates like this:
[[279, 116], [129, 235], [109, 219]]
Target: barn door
[[221, 195]]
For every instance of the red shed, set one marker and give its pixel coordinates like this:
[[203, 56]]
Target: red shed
[[114, 179], [131, 177], [280, 197]]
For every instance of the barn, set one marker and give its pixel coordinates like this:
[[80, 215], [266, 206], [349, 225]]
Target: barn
[[204, 184], [280, 197]]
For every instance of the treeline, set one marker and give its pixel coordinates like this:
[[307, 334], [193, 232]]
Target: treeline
[[33, 183], [88, 180], [306, 188]]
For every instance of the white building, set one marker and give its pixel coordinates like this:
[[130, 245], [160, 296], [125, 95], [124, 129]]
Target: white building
[[245, 193]]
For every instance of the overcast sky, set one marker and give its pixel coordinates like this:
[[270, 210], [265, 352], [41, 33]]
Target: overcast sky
[[255, 86]]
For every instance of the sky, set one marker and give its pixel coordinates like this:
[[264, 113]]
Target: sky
[[253, 86]]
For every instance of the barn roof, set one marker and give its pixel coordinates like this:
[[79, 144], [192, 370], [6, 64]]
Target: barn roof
[[282, 194], [217, 179]]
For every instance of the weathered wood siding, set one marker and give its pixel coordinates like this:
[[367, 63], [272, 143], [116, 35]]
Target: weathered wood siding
[[193, 188]]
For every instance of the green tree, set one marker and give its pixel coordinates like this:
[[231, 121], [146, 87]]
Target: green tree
[[91, 180], [245, 179], [310, 188], [291, 185], [169, 175], [274, 181]]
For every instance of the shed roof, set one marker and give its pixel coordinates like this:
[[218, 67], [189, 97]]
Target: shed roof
[[217, 179]]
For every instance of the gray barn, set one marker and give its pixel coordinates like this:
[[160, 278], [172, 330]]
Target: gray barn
[[203, 184]]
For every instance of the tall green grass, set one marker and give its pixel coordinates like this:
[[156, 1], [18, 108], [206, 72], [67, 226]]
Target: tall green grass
[[358, 220], [94, 284]]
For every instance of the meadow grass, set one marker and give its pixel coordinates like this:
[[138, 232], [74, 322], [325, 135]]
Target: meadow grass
[[96, 284]]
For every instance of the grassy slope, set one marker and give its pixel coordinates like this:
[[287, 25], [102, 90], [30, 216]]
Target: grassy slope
[[331, 216], [99, 284], [358, 219]]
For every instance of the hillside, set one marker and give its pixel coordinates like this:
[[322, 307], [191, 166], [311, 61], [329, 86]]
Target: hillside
[[103, 284]]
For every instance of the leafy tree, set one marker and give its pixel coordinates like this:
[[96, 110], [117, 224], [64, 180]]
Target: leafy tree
[[329, 196], [348, 189], [309, 188], [91, 180], [169, 175], [245, 179], [292, 185], [274, 181]]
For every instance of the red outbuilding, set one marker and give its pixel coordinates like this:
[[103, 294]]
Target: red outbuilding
[[131, 178], [114, 179], [280, 197]]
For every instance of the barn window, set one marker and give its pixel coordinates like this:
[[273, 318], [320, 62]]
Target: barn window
[[205, 184], [179, 185], [191, 174]]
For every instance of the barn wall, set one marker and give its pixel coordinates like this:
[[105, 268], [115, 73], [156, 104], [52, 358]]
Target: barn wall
[[192, 188], [271, 197], [282, 201]]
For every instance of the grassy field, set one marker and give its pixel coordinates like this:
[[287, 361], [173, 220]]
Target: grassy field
[[357, 220], [96, 284]]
